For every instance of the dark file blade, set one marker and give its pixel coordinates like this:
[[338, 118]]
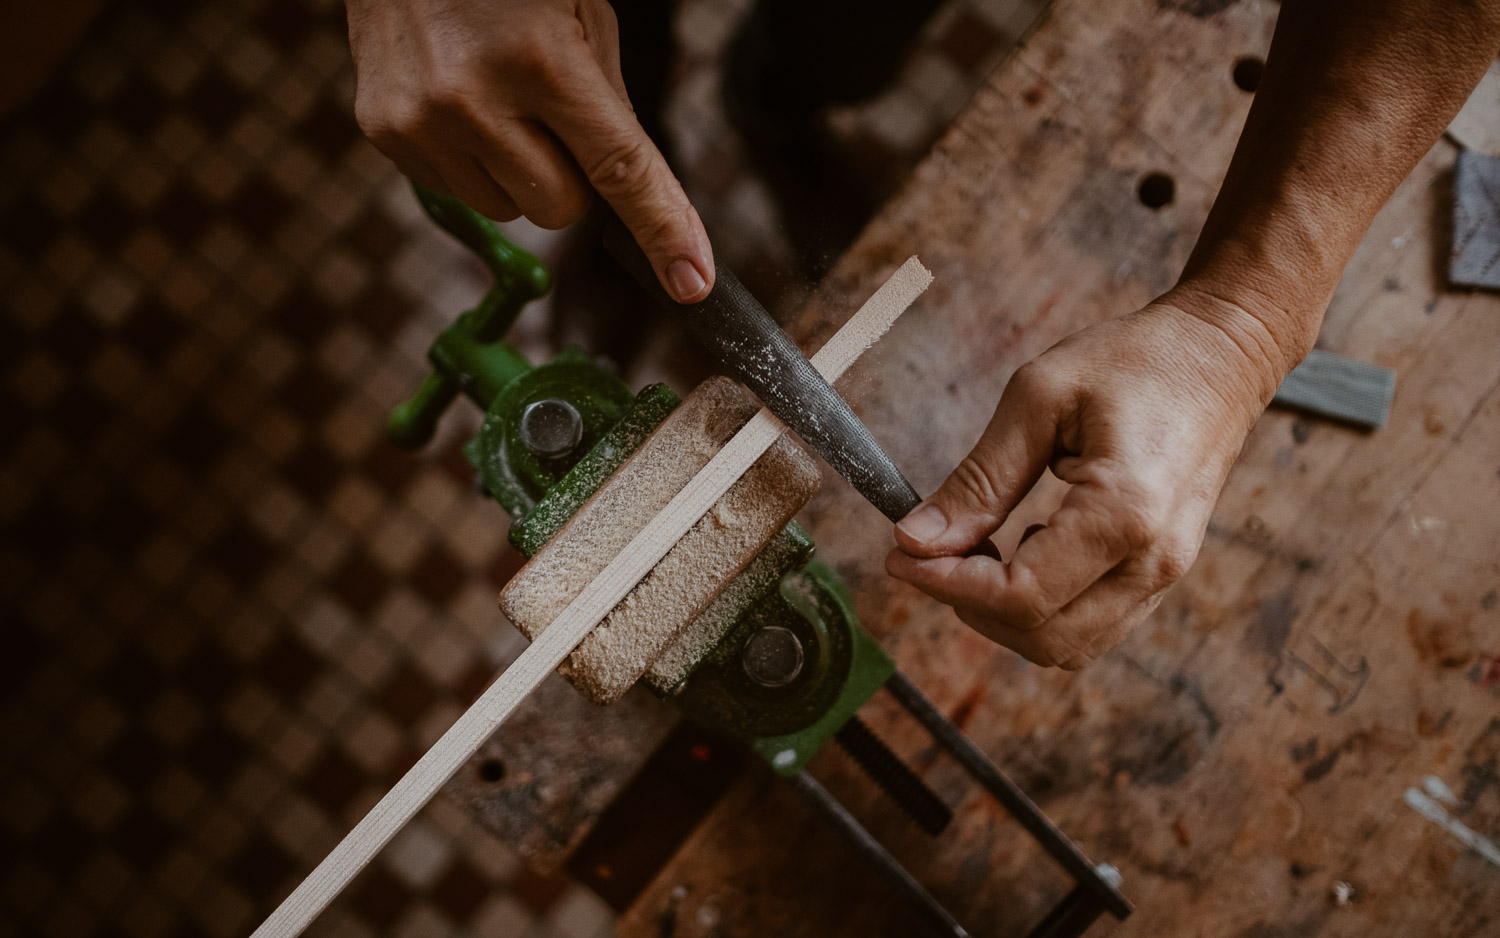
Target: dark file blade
[[744, 338]]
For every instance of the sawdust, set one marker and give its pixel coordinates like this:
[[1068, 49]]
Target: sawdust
[[694, 572], [668, 672]]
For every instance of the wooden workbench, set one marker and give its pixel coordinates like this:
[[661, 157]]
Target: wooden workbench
[[1327, 668]]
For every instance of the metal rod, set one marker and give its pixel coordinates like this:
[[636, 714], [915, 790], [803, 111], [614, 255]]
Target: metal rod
[[900, 783], [1014, 800], [872, 850]]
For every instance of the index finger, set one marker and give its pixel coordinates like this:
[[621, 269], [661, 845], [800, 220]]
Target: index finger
[[630, 173], [1081, 543]]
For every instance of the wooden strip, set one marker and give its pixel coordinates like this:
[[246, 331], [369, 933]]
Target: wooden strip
[[559, 639]]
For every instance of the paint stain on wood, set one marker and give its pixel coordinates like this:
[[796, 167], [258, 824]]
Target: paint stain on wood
[[1325, 763], [1301, 752], [1273, 624], [1442, 641], [964, 711], [1429, 726], [1181, 832], [1160, 752], [1481, 769], [1254, 536]]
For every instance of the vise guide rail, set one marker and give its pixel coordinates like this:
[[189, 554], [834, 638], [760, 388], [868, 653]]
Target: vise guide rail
[[574, 623]]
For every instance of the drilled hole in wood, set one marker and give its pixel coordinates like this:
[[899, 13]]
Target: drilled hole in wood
[[492, 770], [1156, 190], [1247, 73]]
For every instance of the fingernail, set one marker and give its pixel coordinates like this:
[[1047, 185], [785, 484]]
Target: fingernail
[[685, 281], [926, 523]]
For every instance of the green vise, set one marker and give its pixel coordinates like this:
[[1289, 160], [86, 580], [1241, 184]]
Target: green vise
[[795, 665]]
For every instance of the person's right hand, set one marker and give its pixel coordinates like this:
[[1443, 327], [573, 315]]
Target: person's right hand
[[517, 107]]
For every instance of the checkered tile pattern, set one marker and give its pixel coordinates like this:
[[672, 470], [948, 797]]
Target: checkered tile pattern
[[233, 613]]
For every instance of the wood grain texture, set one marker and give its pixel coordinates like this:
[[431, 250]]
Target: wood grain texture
[[554, 786], [1335, 646], [559, 639]]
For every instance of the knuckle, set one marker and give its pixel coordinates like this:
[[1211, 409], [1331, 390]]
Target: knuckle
[[1033, 381], [1024, 608], [971, 482], [451, 94], [378, 120], [1174, 559], [396, 120], [530, 52], [1143, 517], [625, 171], [1137, 525], [367, 114]]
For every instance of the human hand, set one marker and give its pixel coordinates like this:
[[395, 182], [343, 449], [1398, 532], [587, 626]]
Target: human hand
[[1143, 417], [518, 107]]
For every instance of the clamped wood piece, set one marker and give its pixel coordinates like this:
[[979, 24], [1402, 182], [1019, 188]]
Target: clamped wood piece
[[693, 573]]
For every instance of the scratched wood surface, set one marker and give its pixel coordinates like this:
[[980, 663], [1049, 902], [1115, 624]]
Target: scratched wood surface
[[544, 779], [1318, 702]]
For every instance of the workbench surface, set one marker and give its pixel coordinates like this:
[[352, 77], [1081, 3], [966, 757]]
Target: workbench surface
[[1317, 703]]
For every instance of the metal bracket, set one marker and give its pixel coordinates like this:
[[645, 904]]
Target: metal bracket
[[1096, 887]]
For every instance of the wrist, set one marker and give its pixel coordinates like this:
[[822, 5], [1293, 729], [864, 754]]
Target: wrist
[[1259, 337], [1263, 291]]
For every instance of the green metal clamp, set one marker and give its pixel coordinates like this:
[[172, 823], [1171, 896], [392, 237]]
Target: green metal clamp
[[470, 355]]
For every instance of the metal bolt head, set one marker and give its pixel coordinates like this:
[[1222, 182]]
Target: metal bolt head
[[772, 657], [551, 428]]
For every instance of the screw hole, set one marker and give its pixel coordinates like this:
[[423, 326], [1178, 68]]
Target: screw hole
[[492, 770], [1156, 190], [1247, 73]]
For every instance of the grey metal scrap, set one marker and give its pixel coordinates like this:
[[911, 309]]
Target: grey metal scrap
[[1475, 257], [1340, 388]]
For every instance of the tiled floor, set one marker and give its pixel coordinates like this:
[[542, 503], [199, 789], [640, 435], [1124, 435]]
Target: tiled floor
[[233, 613]]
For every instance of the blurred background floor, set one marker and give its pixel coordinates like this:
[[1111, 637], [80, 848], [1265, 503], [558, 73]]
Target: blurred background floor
[[233, 613]]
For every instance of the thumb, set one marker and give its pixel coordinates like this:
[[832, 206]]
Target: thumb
[[1002, 467], [629, 172]]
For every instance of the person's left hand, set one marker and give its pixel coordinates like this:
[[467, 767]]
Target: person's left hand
[[1143, 417]]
